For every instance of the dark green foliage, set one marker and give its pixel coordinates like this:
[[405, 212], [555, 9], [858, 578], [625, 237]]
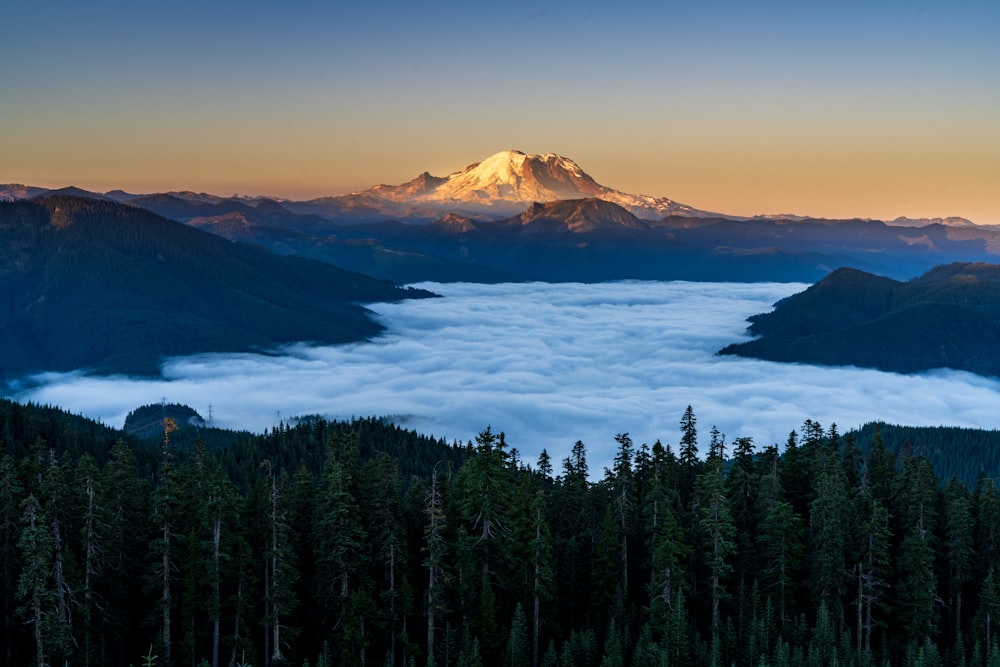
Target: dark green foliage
[[11, 497], [946, 318], [362, 544], [963, 453]]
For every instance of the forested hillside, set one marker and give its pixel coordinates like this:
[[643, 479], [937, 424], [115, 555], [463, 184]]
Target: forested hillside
[[963, 453], [90, 284], [334, 543], [945, 318]]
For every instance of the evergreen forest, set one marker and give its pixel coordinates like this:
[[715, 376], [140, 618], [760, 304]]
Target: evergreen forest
[[362, 544]]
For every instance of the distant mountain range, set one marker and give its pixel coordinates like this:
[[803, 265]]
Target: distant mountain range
[[502, 185], [516, 216], [590, 240], [947, 318], [97, 285]]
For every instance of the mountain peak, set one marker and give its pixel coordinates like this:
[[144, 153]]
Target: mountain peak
[[514, 176], [501, 185], [582, 215]]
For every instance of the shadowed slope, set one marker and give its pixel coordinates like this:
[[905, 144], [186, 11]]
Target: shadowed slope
[[947, 318], [98, 285]]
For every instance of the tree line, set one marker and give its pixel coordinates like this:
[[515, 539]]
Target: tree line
[[360, 543]]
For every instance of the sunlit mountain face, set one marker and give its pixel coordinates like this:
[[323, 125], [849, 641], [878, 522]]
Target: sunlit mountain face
[[502, 185], [506, 181]]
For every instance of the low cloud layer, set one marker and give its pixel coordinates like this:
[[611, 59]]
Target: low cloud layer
[[548, 364]]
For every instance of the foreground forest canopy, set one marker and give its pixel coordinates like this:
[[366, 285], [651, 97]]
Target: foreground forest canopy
[[336, 543]]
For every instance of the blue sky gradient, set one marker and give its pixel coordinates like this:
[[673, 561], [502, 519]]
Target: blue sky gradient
[[840, 109]]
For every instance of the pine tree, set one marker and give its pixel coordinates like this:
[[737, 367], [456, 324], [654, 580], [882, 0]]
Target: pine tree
[[574, 538], [917, 585], [516, 652], [470, 655], [873, 570], [95, 526], [880, 470], [34, 584], [741, 484], [340, 541], [484, 495], [989, 605], [959, 546], [606, 597], [623, 499], [207, 517], [300, 499], [551, 658], [382, 496], [55, 486], [165, 503], [10, 530], [278, 592], [917, 581], [125, 544], [688, 456], [436, 549], [666, 546], [221, 518], [987, 526], [715, 527], [780, 538], [484, 486], [830, 537], [614, 654], [544, 466], [542, 580], [648, 653], [688, 471], [823, 647]]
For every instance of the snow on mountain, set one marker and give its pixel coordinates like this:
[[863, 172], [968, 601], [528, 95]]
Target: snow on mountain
[[507, 182], [515, 176]]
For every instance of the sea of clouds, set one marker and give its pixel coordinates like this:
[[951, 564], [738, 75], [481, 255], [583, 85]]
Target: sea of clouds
[[548, 364]]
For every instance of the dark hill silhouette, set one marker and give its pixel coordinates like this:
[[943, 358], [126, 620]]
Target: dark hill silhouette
[[947, 318], [90, 284], [148, 421]]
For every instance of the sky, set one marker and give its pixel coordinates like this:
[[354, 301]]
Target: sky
[[871, 109], [548, 364]]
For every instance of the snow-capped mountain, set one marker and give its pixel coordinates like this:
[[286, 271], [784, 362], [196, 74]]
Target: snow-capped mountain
[[516, 178], [503, 184]]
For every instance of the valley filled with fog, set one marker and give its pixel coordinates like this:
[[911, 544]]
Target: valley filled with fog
[[548, 364]]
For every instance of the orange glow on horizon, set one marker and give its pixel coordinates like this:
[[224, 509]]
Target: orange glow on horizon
[[817, 187]]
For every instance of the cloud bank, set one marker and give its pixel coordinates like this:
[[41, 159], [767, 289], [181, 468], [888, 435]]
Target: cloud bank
[[548, 364]]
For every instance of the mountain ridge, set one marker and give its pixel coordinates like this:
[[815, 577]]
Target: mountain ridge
[[590, 239], [93, 284], [486, 222], [497, 187], [945, 318]]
